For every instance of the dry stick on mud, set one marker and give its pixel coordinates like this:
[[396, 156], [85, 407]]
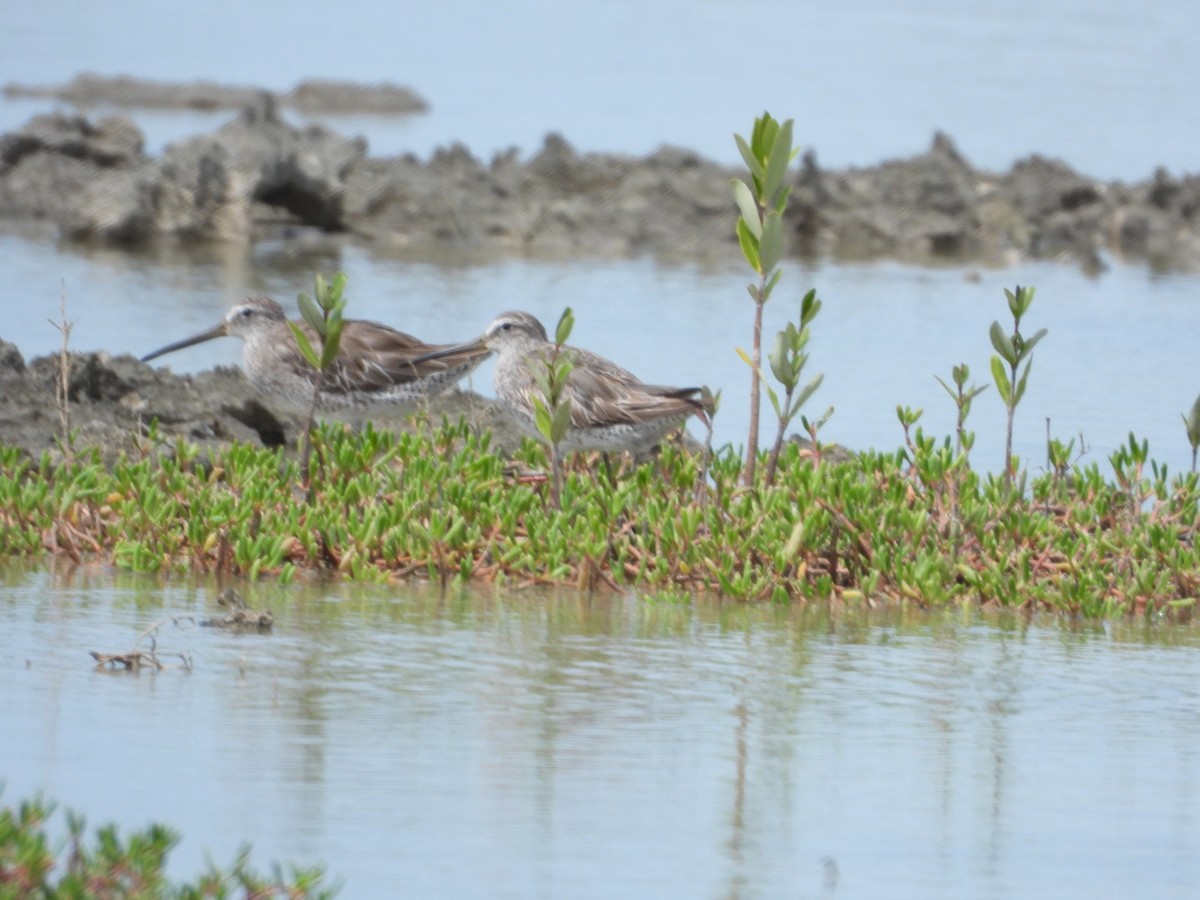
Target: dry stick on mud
[[62, 384]]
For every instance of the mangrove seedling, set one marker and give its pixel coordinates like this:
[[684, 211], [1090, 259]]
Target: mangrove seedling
[[787, 359], [760, 233], [552, 410], [962, 397], [324, 316], [1015, 351]]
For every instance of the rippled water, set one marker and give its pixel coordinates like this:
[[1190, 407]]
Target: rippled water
[[480, 745]]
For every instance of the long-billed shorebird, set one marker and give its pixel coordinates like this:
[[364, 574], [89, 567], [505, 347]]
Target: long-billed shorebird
[[611, 408], [378, 370]]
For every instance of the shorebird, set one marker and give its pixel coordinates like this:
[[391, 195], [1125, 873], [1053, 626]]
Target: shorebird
[[611, 408], [378, 369]]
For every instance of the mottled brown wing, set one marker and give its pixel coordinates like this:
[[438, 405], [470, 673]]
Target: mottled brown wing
[[373, 357], [603, 393]]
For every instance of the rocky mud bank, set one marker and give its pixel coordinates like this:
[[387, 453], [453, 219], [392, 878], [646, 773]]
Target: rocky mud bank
[[259, 176], [112, 401]]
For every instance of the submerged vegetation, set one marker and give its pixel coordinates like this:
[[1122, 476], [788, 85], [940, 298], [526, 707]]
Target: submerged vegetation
[[916, 525]]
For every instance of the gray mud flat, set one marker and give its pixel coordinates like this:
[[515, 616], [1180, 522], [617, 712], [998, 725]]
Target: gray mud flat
[[114, 399]]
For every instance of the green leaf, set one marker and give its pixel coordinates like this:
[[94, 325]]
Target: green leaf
[[566, 322], [953, 394], [746, 358], [1020, 300], [774, 398], [748, 157], [777, 162], [771, 247], [777, 357], [541, 418], [749, 245], [329, 350], [1192, 423], [771, 282], [335, 317], [748, 207], [560, 422], [306, 348], [1003, 344], [312, 313], [338, 288], [1021, 383], [1029, 344], [807, 391], [765, 133], [809, 307], [782, 198], [1001, 379]]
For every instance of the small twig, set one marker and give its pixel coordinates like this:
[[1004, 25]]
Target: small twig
[[62, 384], [135, 659]]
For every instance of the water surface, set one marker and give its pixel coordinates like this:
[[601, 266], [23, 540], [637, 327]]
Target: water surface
[[481, 745]]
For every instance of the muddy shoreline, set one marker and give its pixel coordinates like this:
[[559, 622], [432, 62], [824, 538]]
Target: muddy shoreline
[[112, 401]]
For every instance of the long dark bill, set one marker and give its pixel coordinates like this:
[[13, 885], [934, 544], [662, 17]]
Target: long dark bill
[[218, 331], [470, 348]]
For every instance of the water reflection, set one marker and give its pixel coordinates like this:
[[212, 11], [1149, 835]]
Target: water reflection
[[480, 744]]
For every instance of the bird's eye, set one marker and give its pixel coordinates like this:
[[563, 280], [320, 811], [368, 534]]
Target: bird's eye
[[507, 326], [247, 313]]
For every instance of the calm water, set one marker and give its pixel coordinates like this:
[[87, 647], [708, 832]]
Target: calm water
[[551, 746]]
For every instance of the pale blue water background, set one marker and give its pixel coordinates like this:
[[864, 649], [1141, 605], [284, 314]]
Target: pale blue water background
[[566, 746]]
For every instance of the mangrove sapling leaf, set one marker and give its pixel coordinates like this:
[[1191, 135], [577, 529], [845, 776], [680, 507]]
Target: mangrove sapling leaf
[[311, 312], [778, 161], [771, 246], [1001, 378], [1021, 383], [807, 391], [749, 157], [306, 347], [1027, 344], [1003, 344], [749, 244], [566, 322], [748, 206]]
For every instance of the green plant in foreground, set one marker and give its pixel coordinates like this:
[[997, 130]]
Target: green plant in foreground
[[912, 526], [1014, 351], [324, 316], [33, 864], [787, 359], [760, 235], [962, 396], [552, 410]]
